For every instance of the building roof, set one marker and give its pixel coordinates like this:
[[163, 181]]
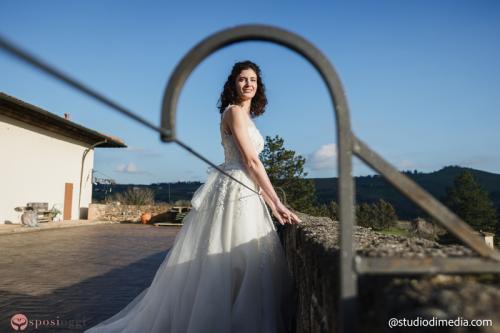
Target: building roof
[[30, 114]]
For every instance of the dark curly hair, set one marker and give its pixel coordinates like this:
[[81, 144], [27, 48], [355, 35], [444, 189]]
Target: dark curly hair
[[230, 96]]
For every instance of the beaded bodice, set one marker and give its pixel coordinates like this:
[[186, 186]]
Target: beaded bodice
[[232, 154]]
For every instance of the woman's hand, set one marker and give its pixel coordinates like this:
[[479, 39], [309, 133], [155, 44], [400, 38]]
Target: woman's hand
[[284, 215]]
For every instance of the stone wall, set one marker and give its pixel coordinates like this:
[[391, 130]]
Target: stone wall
[[125, 213], [312, 251]]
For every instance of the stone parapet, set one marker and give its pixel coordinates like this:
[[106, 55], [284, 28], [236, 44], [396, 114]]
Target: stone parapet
[[124, 213], [313, 255]]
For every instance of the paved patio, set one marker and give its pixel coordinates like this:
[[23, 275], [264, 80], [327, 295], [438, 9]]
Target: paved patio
[[15, 228], [79, 276]]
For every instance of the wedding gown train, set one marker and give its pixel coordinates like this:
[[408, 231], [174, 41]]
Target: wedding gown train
[[226, 271]]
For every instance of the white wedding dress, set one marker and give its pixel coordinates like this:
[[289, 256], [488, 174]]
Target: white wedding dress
[[226, 271]]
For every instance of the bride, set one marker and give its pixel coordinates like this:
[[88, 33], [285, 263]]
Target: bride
[[226, 271]]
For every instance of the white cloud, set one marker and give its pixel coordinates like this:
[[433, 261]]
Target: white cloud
[[324, 158], [406, 164], [127, 168]]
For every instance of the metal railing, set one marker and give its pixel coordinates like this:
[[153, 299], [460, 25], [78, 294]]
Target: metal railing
[[351, 265]]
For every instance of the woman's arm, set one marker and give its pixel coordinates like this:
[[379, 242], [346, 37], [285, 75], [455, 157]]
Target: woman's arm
[[237, 121], [281, 212]]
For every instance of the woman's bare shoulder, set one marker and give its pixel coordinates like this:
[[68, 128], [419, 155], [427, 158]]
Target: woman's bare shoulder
[[230, 115], [233, 108], [236, 114]]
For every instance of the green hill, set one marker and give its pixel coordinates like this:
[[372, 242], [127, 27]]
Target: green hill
[[368, 189], [371, 188], [163, 191]]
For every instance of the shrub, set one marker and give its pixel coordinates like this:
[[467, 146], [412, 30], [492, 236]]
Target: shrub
[[136, 196], [378, 216]]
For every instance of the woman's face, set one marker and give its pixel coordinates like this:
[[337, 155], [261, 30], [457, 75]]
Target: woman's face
[[246, 84]]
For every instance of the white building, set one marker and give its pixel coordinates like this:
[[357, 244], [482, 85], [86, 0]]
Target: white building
[[45, 158]]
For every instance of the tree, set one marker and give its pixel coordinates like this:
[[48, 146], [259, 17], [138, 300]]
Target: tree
[[378, 216], [326, 210], [385, 215], [286, 170], [364, 215], [319, 210], [333, 209], [470, 202]]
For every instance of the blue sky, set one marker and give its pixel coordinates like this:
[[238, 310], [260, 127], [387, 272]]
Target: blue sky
[[422, 78]]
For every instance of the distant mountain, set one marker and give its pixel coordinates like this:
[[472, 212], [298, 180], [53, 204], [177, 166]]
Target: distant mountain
[[368, 189], [164, 192], [371, 188]]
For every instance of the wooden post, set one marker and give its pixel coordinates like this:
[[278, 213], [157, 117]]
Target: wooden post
[[68, 200]]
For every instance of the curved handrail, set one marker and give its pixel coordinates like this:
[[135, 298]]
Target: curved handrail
[[257, 32]]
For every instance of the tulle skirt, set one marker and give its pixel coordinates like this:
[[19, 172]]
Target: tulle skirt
[[226, 271]]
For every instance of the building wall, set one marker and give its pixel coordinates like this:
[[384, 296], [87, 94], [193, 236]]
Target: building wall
[[35, 166]]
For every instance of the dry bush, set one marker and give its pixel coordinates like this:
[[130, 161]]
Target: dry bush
[[136, 196]]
